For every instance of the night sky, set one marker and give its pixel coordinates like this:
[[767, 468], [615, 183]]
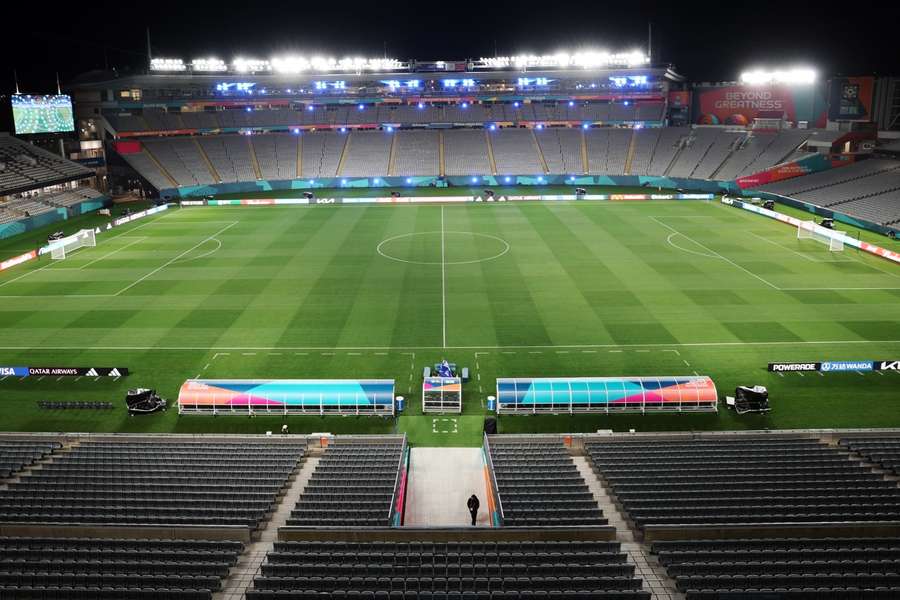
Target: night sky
[[706, 41]]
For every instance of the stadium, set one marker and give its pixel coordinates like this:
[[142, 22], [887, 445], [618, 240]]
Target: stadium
[[268, 324]]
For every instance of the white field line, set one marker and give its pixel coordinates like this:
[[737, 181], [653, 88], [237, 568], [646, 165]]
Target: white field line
[[751, 217], [443, 286], [728, 260], [96, 260], [172, 260], [205, 254], [800, 254], [124, 233], [674, 245], [225, 349]]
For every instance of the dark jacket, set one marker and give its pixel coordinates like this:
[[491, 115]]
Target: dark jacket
[[473, 503]]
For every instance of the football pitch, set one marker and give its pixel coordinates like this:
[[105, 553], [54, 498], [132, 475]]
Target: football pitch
[[508, 290]]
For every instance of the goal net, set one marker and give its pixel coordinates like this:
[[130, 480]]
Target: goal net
[[62, 248], [810, 230]]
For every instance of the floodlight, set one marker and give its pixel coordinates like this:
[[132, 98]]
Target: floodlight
[[792, 76], [167, 64], [250, 65], [209, 65]]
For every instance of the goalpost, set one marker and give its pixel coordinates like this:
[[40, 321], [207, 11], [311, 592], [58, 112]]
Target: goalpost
[[61, 248], [810, 230]]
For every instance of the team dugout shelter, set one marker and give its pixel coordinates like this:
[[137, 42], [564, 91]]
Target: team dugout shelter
[[606, 395], [287, 396]]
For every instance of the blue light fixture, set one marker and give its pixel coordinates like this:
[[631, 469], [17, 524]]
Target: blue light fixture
[[421, 105], [310, 107], [390, 129], [474, 180], [409, 180], [343, 182], [343, 130], [516, 104], [585, 125], [465, 105], [539, 126], [492, 127], [361, 106], [248, 109], [540, 179], [377, 180], [571, 103], [507, 179]]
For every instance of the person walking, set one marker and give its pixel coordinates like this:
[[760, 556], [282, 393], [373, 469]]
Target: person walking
[[473, 505]]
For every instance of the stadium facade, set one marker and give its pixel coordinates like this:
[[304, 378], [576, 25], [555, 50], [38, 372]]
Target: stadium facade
[[199, 128]]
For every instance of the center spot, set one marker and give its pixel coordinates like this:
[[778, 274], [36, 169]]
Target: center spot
[[458, 248]]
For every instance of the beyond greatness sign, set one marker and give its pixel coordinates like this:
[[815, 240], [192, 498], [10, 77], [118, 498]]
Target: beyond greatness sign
[[837, 366], [64, 371]]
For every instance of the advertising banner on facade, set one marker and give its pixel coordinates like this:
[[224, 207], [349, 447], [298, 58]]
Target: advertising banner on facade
[[740, 104], [850, 98]]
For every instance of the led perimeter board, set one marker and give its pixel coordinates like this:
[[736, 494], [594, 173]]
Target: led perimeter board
[[42, 114]]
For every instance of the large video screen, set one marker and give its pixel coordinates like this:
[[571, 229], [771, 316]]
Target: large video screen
[[42, 114]]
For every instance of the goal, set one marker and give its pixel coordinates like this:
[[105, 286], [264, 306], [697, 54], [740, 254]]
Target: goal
[[810, 230], [61, 248]]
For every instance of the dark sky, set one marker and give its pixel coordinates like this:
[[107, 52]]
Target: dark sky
[[707, 41]]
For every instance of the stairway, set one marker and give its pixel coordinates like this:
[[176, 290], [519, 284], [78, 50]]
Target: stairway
[[241, 576], [647, 567]]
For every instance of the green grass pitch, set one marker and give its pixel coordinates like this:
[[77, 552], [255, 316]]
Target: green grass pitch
[[514, 289]]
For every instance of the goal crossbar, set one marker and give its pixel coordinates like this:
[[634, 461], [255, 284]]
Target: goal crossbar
[[810, 230], [62, 248]]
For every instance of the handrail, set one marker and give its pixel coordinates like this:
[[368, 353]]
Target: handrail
[[490, 462], [397, 477]]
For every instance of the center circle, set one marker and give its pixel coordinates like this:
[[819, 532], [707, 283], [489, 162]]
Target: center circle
[[443, 248]]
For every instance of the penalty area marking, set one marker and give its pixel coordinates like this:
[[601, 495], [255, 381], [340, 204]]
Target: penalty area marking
[[717, 255], [171, 261], [204, 255], [674, 245]]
